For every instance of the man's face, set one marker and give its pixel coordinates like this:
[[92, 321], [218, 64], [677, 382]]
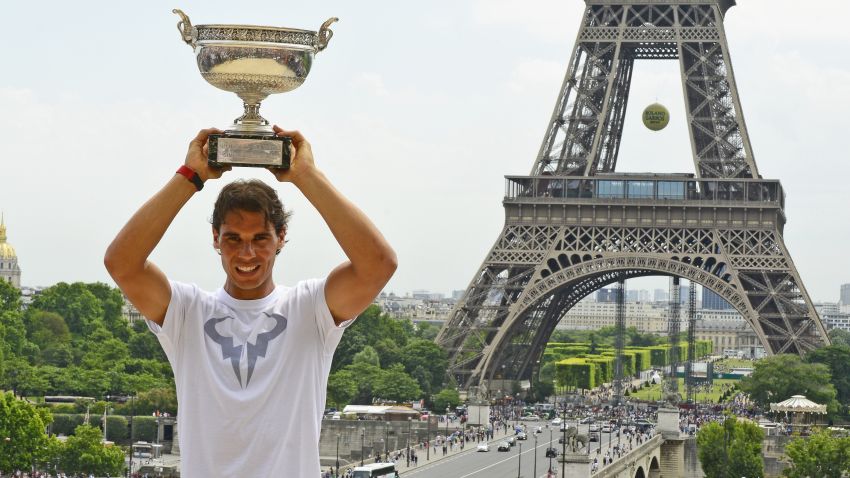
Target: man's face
[[248, 245]]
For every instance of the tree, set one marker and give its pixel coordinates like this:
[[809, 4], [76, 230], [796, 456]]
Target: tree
[[341, 388], [781, 376], [730, 449], [47, 329], [820, 455], [837, 358], [430, 357], [85, 452], [23, 441], [396, 385], [367, 356], [10, 297], [446, 397], [839, 336], [74, 302], [366, 376]]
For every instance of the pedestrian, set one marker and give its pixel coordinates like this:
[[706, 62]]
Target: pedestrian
[[250, 340]]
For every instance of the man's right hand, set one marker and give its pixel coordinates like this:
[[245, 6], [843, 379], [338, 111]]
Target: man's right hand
[[197, 156]]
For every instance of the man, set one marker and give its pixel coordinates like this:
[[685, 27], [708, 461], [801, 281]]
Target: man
[[251, 360]]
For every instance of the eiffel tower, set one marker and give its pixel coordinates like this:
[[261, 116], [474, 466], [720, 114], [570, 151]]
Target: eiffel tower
[[574, 224]]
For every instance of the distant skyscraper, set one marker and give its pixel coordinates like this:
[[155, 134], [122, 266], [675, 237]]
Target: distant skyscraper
[[607, 295], [660, 295], [712, 301], [845, 294]]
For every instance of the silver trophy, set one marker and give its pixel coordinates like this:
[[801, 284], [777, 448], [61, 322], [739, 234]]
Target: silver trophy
[[253, 62]]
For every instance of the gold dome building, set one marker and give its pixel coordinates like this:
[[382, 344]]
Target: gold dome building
[[9, 270]]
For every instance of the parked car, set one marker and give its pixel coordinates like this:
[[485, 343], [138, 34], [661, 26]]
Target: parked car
[[483, 446], [530, 418], [521, 436], [511, 441], [607, 428], [587, 420], [504, 446], [556, 421], [593, 427], [551, 453], [594, 436]]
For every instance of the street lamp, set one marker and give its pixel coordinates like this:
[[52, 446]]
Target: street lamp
[[547, 451], [519, 461], [362, 444], [447, 424], [428, 439], [132, 413], [535, 455], [409, 423], [336, 472]]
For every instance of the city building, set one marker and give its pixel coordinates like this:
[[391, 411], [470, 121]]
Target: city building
[[834, 315], [845, 295], [712, 301], [10, 271], [725, 328]]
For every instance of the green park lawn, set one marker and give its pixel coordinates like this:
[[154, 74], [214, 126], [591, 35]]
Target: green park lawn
[[655, 392]]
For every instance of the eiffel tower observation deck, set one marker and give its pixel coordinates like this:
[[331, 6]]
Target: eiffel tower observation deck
[[575, 224]]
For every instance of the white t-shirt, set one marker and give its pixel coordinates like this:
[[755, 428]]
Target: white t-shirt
[[251, 378]]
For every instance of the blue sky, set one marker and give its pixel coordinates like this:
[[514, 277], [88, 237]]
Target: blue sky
[[415, 113]]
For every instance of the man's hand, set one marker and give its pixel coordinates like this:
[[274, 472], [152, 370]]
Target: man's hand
[[196, 157], [301, 154]]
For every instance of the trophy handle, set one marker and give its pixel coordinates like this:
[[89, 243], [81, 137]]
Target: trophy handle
[[184, 26], [325, 34]]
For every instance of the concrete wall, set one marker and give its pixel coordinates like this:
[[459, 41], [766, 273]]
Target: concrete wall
[[375, 434]]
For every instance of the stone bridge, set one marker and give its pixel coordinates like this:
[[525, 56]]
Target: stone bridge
[[662, 456]]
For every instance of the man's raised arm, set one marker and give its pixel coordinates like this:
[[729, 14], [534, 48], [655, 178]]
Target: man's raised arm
[[354, 284], [126, 258]]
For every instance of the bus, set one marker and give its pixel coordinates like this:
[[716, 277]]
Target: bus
[[375, 469]]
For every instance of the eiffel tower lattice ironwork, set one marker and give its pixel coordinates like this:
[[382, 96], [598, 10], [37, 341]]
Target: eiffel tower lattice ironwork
[[575, 225]]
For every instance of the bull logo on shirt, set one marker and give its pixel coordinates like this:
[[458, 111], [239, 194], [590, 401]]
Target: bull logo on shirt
[[255, 350]]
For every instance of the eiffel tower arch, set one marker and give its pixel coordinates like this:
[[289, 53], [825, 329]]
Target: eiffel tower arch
[[574, 224]]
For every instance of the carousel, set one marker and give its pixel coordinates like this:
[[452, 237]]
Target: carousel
[[799, 412]]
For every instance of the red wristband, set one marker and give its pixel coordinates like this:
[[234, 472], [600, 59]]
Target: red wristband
[[191, 175]]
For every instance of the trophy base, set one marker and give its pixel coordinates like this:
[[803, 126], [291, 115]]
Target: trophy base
[[249, 150]]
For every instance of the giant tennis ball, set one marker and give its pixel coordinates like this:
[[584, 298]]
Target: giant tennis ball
[[656, 117]]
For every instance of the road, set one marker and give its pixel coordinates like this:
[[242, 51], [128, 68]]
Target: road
[[495, 464]]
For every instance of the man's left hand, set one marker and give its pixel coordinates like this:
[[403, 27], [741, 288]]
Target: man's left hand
[[301, 155]]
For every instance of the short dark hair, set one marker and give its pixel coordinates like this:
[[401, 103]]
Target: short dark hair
[[250, 195]]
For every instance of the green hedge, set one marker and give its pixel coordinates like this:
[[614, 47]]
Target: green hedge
[[144, 428], [576, 373]]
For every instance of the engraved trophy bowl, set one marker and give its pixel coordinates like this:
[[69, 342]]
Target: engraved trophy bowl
[[253, 62]]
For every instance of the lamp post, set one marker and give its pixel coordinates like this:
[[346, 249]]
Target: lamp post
[[447, 423], [409, 423], [535, 456], [428, 439], [547, 451], [105, 413], [519, 460], [362, 444], [132, 413], [336, 470]]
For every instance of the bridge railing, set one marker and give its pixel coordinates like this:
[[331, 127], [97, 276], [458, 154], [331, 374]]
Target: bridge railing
[[663, 188], [629, 458]]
